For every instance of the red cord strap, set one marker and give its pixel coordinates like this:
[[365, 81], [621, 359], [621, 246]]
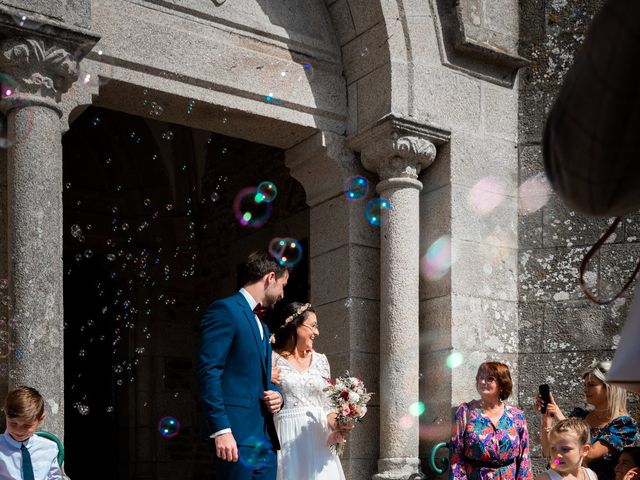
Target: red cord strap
[[591, 253]]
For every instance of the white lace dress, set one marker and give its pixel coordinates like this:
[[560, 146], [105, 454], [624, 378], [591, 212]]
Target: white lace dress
[[302, 423]]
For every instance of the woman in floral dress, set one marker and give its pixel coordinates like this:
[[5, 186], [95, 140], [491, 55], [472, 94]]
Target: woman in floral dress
[[490, 439]]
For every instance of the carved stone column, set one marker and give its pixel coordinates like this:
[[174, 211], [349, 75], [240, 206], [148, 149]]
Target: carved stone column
[[39, 66], [398, 150]]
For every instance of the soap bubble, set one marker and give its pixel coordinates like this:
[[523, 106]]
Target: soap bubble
[[533, 194], [168, 427], [168, 135], [215, 196], [255, 452], [416, 409], [438, 260], [287, 251], [247, 211], [486, 195], [356, 187], [267, 192], [454, 360], [374, 208], [76, 231]]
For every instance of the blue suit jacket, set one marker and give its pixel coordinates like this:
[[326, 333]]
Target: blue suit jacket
[[234, 370]]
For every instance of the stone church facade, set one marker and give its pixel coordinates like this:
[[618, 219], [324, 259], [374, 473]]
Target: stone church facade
[[125, 113]]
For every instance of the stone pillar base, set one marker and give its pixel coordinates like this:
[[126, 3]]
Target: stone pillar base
[[397, 468]]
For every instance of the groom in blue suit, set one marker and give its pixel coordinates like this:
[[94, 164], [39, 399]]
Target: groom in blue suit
[[234, 374]]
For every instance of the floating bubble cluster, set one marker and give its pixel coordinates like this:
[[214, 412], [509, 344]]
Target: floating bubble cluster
[[168, 427], [248, 211], [356, 188], [287, 251], [374, 209]]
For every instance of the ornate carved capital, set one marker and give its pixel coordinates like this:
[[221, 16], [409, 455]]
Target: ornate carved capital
[[37, 67], [398, 148]]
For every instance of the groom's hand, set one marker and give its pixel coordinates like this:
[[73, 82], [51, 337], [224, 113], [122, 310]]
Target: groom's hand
[[226, 448], [273, 401]]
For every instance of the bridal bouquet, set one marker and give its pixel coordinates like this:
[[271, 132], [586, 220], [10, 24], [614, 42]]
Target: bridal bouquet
[[349, 398]]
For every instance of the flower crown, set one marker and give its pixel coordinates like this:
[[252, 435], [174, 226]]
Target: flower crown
[[299, 311]]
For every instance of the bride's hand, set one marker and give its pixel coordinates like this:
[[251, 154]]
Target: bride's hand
[[275, 375]]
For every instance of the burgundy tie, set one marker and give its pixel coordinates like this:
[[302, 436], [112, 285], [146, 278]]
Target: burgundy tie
[[260, 311]]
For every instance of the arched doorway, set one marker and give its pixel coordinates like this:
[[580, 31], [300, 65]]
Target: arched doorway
[[150, 238]]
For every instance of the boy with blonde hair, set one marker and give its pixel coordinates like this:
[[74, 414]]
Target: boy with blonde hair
[[569, 444], [24, 455]]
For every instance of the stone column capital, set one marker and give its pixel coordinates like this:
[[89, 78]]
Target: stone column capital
[[397, 149], [39, 61]]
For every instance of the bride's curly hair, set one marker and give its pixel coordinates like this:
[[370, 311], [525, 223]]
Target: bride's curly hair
[[294, 314]]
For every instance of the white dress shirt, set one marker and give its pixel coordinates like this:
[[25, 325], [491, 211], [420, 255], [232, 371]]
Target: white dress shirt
[[252, 304], [44, 458]]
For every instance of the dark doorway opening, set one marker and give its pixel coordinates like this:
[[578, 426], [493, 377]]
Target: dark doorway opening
[[150, 238]]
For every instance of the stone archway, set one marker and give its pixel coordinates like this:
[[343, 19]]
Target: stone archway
[[150, 238]]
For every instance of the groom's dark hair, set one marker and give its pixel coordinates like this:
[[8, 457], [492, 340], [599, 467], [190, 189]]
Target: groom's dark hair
[[257, 265]]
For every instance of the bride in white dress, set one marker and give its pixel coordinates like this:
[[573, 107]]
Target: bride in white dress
[[305, 421]]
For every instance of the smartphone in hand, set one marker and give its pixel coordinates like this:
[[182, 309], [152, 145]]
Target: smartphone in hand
[[545, 393]]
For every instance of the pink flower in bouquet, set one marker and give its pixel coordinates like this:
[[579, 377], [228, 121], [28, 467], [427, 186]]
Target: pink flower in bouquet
[[346, 410], [363, 411]]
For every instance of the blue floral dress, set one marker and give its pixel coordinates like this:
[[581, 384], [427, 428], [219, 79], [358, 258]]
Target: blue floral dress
[[617, 434], [480, 451]]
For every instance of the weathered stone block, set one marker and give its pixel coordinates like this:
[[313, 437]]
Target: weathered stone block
[[582, 325], [475, 157], [552, 273], [495, 321], [435, 226], [338, 221], [499, 112], [438, 174], [364, 365], [350, 324], [530, 327], [474, 220], [563, 227], [435, 324], [376, 84], [530, 230], [617, 263], [530, 161], [502, 17], [485, 276], [365, 53], [448, 99], [342, 21], [364, 14]]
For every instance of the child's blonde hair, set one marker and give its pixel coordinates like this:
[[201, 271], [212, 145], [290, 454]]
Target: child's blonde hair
[[24, 402], [574, 425]]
